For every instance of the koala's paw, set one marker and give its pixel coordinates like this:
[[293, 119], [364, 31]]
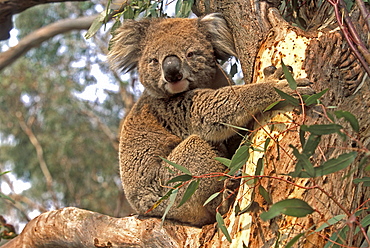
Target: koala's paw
[[229, 194], [276, 76]]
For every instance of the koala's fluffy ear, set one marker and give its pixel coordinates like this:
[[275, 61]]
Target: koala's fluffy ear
[[222, 40], [126, 47]]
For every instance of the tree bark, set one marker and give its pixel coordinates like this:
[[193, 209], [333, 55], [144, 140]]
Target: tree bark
[[323, 57], [73, 227]]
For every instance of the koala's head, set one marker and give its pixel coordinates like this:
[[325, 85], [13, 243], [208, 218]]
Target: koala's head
[[172, 55]]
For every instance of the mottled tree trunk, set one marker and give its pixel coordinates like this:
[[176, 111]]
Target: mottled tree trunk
[[262, 39]]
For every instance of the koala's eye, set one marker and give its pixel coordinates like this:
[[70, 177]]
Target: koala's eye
[[153, 61], [190, 54]]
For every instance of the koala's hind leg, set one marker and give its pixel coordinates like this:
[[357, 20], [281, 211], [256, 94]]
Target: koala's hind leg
[[197, 155]]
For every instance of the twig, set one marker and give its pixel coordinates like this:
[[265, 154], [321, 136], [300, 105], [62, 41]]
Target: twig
[[40, 156]]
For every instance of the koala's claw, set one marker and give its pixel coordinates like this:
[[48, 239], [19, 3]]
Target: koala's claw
[[271, 72], [303, 82]]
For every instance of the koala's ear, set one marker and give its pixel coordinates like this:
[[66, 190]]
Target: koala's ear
[[222, 40], [126, 44]]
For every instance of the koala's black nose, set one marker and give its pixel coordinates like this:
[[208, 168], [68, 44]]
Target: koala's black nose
[[172, 69]]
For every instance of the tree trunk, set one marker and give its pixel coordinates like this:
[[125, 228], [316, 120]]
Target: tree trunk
[[326, 60], [262, 38]]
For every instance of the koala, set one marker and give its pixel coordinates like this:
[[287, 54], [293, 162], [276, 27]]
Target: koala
[[182, 112]]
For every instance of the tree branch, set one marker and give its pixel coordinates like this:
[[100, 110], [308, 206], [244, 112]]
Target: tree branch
[[73, 227], [9, 8], [40, 156], [37, 37]]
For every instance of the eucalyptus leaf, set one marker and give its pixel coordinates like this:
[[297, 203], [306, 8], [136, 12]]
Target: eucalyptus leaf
[[322, 129], [331, 222], [239, 159], [288, 76], [335, 164], [314, 98], [263, 192], [365, 180], [177, 166], [171, 201], [224, 161], [292, 207], [294, 240], [350, 118], [213, 196], [311, 144], [193, 186], [181, 178], [287, 97], [222, 227]]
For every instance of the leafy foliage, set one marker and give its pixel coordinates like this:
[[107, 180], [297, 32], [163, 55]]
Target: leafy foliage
[[40, 110], [291, 207]]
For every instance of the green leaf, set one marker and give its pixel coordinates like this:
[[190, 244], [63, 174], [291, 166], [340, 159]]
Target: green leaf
[[263, 192], [287, 97], [363, 160], [224, 161], [288, 76], [313, 99], [292, 207], [239, 159], [170, 204], [335, 164], [179, 167], [266, 145], [304, 162], [365, 180], [271, 106], [337, 237], [364, 223], [181, 178], [95, 26], [311, 144], [294, 240], [128, 13], [259, 167], [213, 196], [3, 173], [301, 137], [321, 129], [236, 127], [331, 222], [165, 197], [222, 227], [178, 8], [350, 118], [6, 197], [277, 105], [193, 186]]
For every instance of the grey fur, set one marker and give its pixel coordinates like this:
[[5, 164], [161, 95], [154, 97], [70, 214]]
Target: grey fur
[[181, 121]]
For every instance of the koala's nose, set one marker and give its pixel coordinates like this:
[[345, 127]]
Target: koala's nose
[[172, 69]]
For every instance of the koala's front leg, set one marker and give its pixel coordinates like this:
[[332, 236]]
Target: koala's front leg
[[198, 155], [234, 105]]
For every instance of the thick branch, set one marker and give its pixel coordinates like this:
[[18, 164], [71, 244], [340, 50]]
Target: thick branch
[[73, 227], [9, 8], [37, 37]]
